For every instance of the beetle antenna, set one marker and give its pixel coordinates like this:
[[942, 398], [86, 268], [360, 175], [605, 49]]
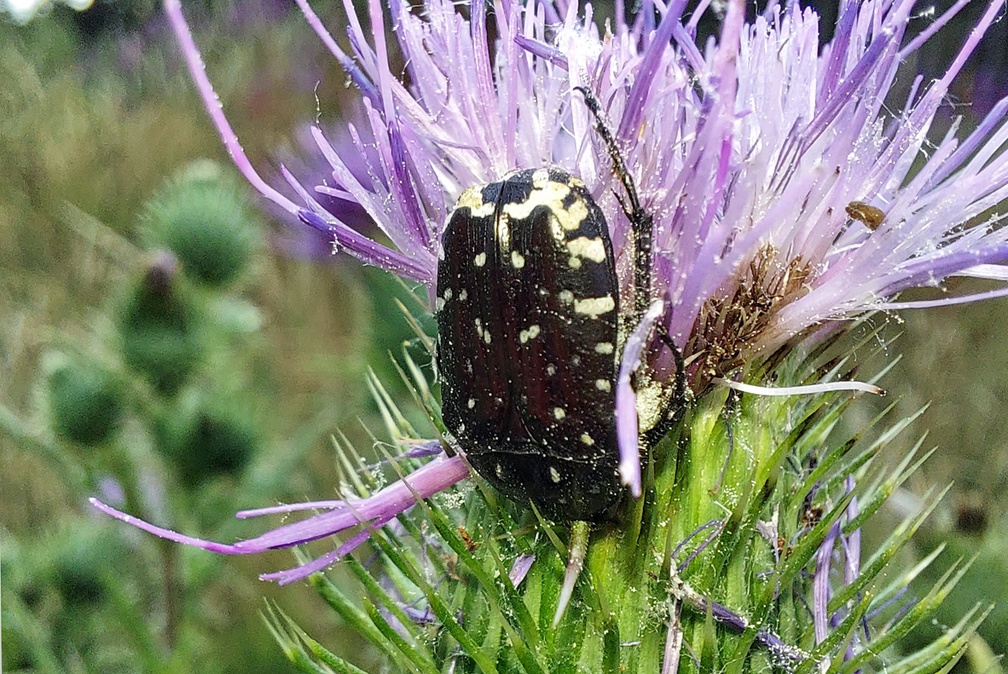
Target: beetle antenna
[[640, 219]]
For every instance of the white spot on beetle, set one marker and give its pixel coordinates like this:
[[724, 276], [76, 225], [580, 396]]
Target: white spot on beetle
[[604, 347], [438, 303], [574, 262], [566, 296], [550, 195], [587, 439], [503, 231], [574, 215], [472, 199], [557, 232], [447, 294], [560, 413], [591, 249], [603, 385], [554, 474], [517, 260], [540, 179], [525, 335], [551, 369], [595, 306], [499, 469], [463, 295], [471, 403], [480, 259]]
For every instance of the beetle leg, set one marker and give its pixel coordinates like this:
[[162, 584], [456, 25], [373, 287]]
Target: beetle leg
[[640, 219]]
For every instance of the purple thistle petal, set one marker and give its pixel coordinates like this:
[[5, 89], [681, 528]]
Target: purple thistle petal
[[197, 70], [626, 400], [646, 71], [932, 29], [883, 44], [319, 563], [349, 67], [285, 508], [520, 569], [542, 50], [851, 546], [943, 302], [366, 250], [821, 585], [982, 134], [167, 534], [424, 482], [358, 38], [373, 511]]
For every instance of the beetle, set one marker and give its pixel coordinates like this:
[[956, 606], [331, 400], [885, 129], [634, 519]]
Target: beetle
[[529, 324]]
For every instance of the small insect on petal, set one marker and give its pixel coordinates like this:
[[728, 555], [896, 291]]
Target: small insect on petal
[[867, 214]]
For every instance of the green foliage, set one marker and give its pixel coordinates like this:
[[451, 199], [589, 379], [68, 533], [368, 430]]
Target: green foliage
[[740, 501], [81, 564], [96, 117], [984, 580]]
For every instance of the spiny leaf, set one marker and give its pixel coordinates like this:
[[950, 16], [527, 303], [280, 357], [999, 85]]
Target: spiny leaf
[[298, 646]]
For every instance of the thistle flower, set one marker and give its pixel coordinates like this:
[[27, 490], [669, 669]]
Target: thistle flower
[[786, 203]]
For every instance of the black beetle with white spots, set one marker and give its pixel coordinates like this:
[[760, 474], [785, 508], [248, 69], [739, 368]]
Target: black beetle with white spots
[[528, 314]]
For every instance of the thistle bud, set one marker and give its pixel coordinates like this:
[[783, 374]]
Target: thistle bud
[[79, 564], [207, 440], [204, 220], [157, 328], [85, 401]]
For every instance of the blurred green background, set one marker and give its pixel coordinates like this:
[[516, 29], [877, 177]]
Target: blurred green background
[[100, 126], [100, 131]]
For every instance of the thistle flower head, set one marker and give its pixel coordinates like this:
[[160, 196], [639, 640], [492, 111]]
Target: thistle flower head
[[750, 154], [786, 198]]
